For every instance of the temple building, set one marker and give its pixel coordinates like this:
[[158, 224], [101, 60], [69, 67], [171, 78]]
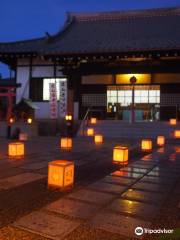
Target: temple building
[[106, 61]]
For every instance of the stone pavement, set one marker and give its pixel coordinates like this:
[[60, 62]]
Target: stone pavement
[[107, 202]]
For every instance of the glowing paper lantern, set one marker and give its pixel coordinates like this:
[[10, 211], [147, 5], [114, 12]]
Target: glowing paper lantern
[[93, 120], [120, 155], [146, 145], [160, 140], [68, 117], [66, 143], [29, 120], [23, 136], [90, 132], [16, 150], [173, 121], [98, 139], [177, 133], [60, 174], [11, 120]]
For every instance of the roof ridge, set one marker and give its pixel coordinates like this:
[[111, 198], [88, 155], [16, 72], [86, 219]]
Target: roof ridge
[[92, 16]]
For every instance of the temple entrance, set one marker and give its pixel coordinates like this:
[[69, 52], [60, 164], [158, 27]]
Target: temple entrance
[[146, 100]]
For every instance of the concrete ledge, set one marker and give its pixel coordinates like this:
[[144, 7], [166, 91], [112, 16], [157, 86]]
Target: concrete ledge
[[30, 129]]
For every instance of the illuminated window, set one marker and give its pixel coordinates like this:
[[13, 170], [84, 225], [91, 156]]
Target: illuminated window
[[46, 82], [142, 94]]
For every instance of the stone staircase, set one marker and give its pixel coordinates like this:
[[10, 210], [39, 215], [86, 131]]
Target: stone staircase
[[120, 129]]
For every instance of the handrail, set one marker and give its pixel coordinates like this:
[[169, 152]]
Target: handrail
[[84, 123]]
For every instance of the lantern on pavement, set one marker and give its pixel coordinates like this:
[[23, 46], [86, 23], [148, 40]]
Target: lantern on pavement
[[160, 140], [90, 132], [98, 139], [173, 121], [146, 145], [66, 143], [120, 155], [16, 150], [60, 174], [177, 133], [93, 120], [23, 136]]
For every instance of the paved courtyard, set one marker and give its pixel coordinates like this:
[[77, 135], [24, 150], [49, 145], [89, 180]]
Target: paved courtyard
[[107, 202]]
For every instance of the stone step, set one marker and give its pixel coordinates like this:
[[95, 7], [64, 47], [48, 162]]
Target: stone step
[[119, 129]]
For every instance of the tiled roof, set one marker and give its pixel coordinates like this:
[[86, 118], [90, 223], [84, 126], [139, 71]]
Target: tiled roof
[[109, 32]]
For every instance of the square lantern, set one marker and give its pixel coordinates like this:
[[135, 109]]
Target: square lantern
[[146, 145], [160, 140], [60, 174], [23, 136], [173, 121], [120, 155], [90, 132], [16, 150], [93, 120], [177, 133], [98, 139], [66, 143]]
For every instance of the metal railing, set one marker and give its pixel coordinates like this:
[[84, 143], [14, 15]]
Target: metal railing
[[84, 123]]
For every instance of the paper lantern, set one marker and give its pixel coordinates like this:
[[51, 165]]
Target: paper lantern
[[11, 120], [177, 133], [29, 120], [98, 139], [146, 145], [23, 136], [160, 140], [93, 120], [16, 150], [120, 155], [66, 143], [60, 174], [173, 121], [68, 117], [90, 132]]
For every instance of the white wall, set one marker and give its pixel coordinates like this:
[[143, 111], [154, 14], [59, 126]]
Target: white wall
[[23, 78], [44, 110], [23, 74]]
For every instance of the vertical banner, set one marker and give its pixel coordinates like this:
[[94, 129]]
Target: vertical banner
[[63, 98], [53, 100]]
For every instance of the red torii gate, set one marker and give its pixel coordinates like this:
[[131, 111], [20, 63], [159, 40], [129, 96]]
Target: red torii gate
[[9, 93]]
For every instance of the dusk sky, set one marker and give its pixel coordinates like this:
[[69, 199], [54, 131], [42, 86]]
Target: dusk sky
[[22, 19]]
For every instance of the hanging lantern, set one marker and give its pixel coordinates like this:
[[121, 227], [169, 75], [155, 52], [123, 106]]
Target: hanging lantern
[[16, 150], [120, 155], [146, 145], [173, 121], [93, 120], [66, 143], [98, 139], [90, 132], [60, 174], [11, 120], [177, 133], [160, 140], [23, 136], [68, 117], [29, 120]]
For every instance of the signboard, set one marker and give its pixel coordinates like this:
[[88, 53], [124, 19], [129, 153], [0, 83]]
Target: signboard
[[53, 101], [63, 98]]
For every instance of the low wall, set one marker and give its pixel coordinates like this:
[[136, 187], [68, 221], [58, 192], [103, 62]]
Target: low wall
[[30, 129]]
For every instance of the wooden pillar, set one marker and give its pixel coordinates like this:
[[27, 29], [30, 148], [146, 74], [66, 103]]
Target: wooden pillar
[[9, 111]]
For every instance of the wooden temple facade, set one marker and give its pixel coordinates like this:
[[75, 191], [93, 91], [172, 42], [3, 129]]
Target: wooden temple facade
[[97, 54]]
